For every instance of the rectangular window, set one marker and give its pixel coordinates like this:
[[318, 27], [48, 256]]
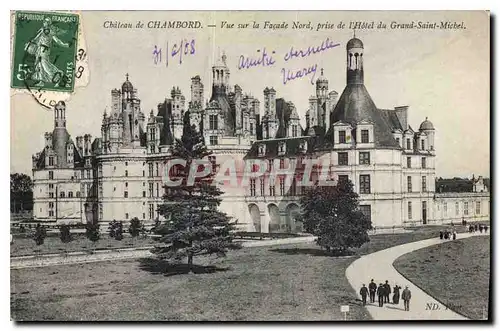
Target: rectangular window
[[343, 178], [51, 194], [282, 163], [343, 158], [424, 184], [367, 211], [271, 164], [51, 205], [126, 215], [157, 189], [150, 190], [282, 186], [294, 131], [51, 174], [342, 137], [423, 144], [252, 187], [51, 186], [150, 168], [424, 165], [478, 207], [70, 194], [364, 157], [408, 162], [364, 184], [143, 194], [51, 160], [151, 211], [364, 137], [251, 128], [51, 213], [157, 169], [214, 140], [272, 190], [466, 208], [293, 188], [408, 179], [409, 210], [398, 141], [213, 124], [262, 187], [408, 143], [125, 194]]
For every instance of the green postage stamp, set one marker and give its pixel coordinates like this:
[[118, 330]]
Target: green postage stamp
[[45, 47]]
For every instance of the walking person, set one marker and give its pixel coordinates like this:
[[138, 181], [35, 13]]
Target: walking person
[[372, 287], [395, 297], [454, 235], [364, 294], [475, 227], [480, 228], [441, 235], [485, 229], [387, 291], [406, 296], [380, 293]]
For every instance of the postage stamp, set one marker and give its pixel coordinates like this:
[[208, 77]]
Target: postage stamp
[[45, 51]]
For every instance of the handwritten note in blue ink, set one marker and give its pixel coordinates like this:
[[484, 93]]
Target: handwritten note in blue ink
[[181, 49]]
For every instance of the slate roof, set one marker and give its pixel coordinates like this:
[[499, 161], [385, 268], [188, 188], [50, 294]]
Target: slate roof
[[165, 111], [292, 147], [355, 105]]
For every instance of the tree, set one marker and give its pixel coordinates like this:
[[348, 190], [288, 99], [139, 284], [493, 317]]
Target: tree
[[113, 226], [135, 227], [193, 225], [332, 214], [119, 231], [21, 192], [92, 231], [40, 234], [65, 233]]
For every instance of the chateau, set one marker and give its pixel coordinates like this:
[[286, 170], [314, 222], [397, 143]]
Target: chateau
[[120, 175]]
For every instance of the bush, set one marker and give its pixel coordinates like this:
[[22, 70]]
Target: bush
[[40, 234], [65, 233], [135, 227], [92, 231]]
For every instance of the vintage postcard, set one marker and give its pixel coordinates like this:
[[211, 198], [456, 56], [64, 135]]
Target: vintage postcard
[[250, 166]]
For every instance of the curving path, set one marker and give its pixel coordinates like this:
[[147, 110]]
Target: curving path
[[378, 266]]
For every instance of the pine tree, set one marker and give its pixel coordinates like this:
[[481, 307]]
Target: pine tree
[[193, 225], [332, 214]]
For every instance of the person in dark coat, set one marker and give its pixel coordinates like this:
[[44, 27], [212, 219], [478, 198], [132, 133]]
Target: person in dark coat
[[406, 296], [485, 229], [441, 234], [480, 228], [387, 291], [372, 287], [454, 235], [364, 294], [475, 227], [395, 297], [380, 293], [446, 234]]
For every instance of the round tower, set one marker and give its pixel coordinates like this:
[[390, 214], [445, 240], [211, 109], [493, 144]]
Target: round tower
[[428, 128], [321, 86]]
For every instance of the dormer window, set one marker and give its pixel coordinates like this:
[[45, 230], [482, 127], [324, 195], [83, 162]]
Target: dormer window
[[365, 136], [342, 137], [281, 148], [303, 146], [262, 150]]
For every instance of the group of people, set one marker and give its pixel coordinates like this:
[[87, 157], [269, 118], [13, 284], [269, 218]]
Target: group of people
[[383, 291], [476, 227], [448, 234]]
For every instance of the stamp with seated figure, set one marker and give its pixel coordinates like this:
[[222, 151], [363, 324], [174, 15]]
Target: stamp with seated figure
[[45, 51]]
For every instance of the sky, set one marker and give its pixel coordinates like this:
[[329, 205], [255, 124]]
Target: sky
[[440, 74]]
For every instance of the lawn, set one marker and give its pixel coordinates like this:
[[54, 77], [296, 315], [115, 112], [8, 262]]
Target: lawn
[[456, 273], [291, 282]]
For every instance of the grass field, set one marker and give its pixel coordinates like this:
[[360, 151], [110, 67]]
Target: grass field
[[456, 273], [292, 282]]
